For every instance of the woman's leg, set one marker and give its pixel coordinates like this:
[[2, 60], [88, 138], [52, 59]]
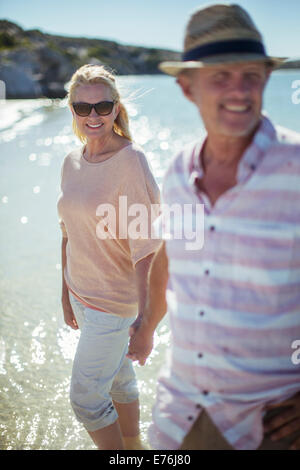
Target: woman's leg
[[129, 416], [124, 393], [100, 354], [108, 438]]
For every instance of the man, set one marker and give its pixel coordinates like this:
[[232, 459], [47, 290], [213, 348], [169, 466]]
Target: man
[[234, 304]]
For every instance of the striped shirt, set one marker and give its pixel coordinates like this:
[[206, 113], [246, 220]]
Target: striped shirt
[[234, 304]]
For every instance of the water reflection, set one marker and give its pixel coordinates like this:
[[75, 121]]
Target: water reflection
[[2, 357], [67, 340]]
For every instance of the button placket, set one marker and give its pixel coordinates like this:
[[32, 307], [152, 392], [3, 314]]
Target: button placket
[[207, 269]]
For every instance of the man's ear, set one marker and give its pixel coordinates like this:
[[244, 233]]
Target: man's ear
[[184, 82], [268, 73]]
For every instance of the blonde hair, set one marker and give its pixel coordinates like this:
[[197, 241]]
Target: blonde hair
[[92, 74]]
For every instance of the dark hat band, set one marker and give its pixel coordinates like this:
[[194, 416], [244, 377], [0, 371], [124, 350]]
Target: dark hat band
[[225, 47]]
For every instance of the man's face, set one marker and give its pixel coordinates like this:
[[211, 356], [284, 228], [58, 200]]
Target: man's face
[[229, 97]]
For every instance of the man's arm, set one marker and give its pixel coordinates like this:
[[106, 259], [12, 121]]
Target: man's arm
[[142, 331]]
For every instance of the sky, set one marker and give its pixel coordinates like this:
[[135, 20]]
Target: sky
[[150, 23]]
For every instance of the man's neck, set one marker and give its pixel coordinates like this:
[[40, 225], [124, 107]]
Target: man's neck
[[220, 158], [224, 151]]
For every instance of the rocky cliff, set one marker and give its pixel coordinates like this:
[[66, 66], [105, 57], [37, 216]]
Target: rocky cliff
[[34, 64]]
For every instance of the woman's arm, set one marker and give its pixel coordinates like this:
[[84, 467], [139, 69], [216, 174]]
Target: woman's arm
[[67, 308]]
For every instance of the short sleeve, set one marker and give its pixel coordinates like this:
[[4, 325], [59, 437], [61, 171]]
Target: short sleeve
[[143, 206]]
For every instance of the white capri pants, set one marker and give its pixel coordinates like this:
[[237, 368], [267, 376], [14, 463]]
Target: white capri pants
[[101, 371]]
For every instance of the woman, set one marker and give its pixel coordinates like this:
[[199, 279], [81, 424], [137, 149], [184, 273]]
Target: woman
[[104, 273]]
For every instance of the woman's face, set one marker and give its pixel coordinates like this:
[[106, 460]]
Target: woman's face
[[94, 126]]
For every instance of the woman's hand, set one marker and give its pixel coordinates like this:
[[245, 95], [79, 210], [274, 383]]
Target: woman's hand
[[141, 342], [285, 423], [69, 316]]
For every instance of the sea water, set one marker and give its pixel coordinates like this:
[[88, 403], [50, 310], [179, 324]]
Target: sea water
[[36, 347]]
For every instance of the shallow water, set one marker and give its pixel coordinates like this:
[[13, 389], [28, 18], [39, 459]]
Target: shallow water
[[36, 347]]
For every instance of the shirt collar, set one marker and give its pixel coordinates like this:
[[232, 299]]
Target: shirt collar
[[254, 154], [250, 160]]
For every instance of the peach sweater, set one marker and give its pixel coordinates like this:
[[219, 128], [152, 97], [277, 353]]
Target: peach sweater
[[99, 271]]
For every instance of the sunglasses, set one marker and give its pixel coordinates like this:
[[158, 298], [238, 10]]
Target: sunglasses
[[103, 108]]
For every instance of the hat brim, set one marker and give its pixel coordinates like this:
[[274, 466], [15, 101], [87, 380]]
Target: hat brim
[[174, 68]]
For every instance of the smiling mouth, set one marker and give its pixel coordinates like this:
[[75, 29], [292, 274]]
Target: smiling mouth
[[95, 126], [234, 108]]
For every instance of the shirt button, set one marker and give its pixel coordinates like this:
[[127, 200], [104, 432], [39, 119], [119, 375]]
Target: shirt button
[[190, 418], [206, 272], [205, 392], [212, 228], [201, 313], [200, 355], [198, 406]]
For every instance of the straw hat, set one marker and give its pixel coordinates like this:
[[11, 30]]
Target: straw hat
[[218, 34]]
